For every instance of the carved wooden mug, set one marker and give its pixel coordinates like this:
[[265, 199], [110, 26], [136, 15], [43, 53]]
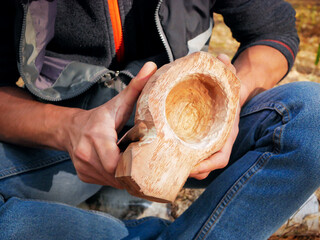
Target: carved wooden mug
[[184, 115]]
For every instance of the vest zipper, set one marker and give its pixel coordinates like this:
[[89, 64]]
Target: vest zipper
[[109, 78], [161, 33], [23, 30]]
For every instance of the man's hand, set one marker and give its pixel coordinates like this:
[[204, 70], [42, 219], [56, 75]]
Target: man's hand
[[257, 73], [221, 158], [92, 135]]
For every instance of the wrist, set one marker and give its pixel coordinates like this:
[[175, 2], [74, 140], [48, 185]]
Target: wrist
[[58, 123], [256, 72]]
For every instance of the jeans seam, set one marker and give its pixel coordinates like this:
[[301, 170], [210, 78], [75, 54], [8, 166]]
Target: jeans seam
[[269, 106], [258, 165], [285, 117], [274, 106], [232, 193], [276, 137], [17, 170]]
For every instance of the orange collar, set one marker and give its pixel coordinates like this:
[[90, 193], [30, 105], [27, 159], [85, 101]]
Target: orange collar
[[117, 28]]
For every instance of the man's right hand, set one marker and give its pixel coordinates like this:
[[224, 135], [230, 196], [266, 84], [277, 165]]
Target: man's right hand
[[91, 138]]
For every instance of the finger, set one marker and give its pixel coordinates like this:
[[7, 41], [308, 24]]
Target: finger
[[102, 175], [108, 153], [89, 166], [124, 102], [109, 156], [216, 161], [87, 173], [96, 179], [99, 181], [226, 60], [131, 93], [86, 156], [200, 176], [221, 158]]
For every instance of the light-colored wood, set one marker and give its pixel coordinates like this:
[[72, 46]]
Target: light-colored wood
[[184, 115]]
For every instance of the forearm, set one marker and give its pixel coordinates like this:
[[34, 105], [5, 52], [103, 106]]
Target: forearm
[[28, 122], [259, 68]]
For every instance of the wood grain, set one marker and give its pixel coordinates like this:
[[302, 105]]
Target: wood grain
[[187, 109]]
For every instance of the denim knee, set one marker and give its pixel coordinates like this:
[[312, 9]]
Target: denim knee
[[301, 134], [303, 97]]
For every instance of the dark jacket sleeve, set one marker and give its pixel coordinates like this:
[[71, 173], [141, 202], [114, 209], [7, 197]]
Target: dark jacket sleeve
[[8, 66], [261, 22]]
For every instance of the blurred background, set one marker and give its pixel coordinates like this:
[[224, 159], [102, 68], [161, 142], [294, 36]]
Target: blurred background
[[308, 25]]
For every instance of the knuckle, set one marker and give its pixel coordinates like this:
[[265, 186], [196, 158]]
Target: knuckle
[[82, 155], [83, 178], [110, 163], [80, 170], [109, 168]]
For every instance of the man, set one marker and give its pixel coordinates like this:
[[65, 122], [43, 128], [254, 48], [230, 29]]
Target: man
[[69, 53]]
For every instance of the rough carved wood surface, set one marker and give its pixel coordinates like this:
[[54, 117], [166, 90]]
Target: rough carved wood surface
[[184, 115]]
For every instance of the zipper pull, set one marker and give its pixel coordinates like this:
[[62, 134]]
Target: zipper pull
[[109, 78]]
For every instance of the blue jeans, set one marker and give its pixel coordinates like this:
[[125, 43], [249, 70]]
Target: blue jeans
[[274, 168]]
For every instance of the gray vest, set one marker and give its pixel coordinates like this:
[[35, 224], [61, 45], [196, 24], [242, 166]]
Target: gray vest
[[66, 46]]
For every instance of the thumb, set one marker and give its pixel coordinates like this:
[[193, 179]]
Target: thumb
[[128, 97], [132, 92]]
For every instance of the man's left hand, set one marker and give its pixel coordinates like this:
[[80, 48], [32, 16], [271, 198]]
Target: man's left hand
[[219, 159]]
